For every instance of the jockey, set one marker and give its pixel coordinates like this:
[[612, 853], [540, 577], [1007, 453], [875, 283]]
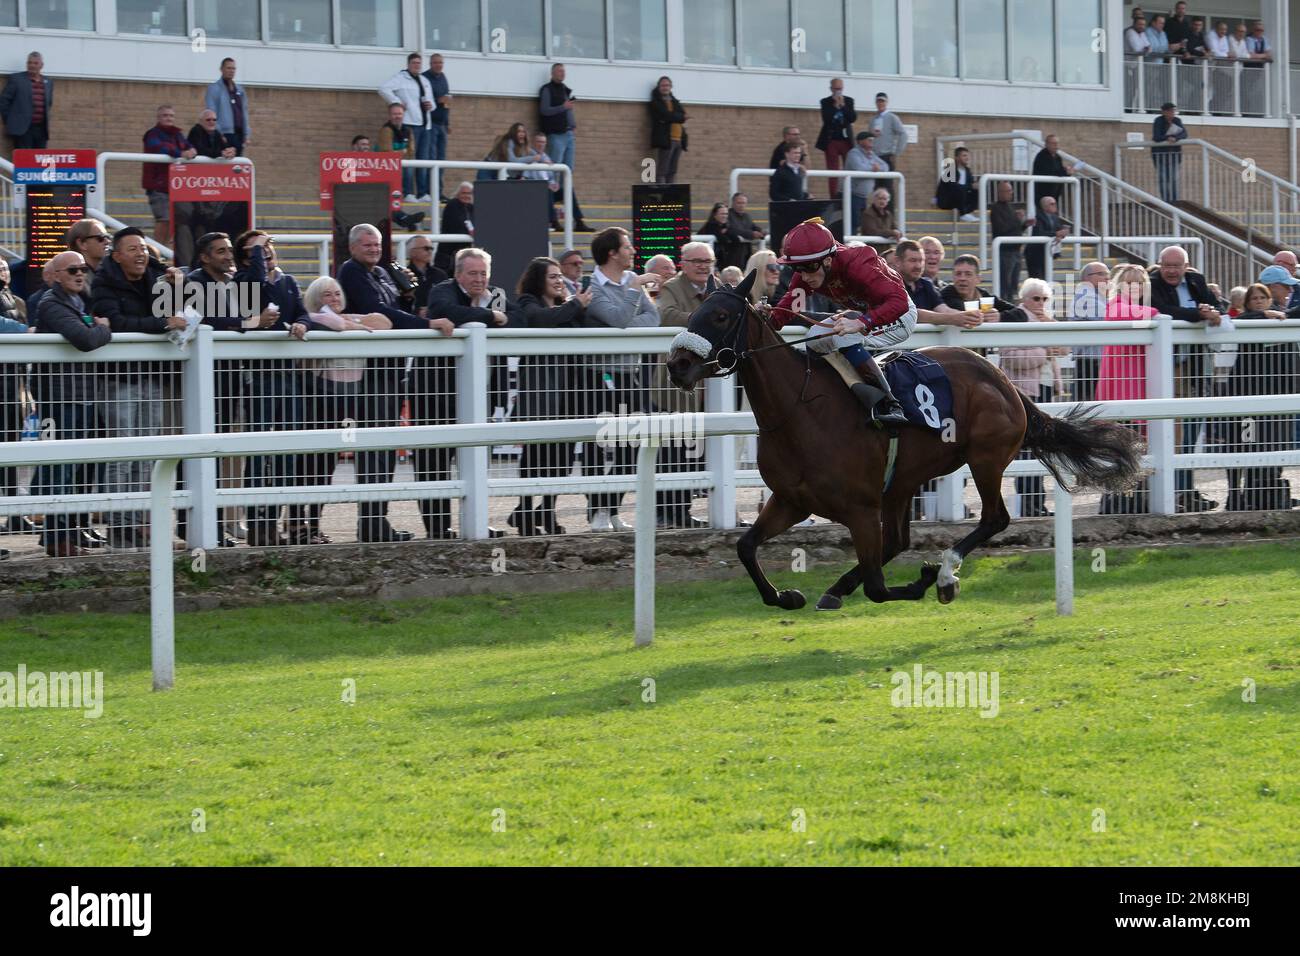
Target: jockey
[[878, 313]]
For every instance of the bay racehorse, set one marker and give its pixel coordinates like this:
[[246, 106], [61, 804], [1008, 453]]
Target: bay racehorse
[[819, 454]]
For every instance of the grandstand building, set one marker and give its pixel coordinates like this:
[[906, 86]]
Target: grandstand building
[[744, 69]]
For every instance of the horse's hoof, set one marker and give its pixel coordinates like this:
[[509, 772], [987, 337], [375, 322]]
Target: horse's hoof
[[829, 602], [790, 600], [929, 573], [947, 593]]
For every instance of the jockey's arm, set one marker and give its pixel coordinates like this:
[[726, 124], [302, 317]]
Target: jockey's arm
[[788, 311], [883, 289]]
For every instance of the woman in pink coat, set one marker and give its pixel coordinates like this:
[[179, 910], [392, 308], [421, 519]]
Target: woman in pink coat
[[1123, 371]]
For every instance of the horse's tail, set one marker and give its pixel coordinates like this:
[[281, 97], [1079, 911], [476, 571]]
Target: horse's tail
[[1099, 454]]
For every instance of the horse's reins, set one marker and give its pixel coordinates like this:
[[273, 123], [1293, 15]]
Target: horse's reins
[[739, 355]]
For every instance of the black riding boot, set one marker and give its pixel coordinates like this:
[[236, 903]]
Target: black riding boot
[[876, 395]]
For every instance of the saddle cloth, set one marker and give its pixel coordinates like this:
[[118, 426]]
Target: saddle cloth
[[921, 386]]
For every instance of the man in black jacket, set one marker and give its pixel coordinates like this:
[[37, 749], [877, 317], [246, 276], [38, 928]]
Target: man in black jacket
[[125, 290], [1047, 223], [1049, 162], [208, 140], [66, 392], [1183, 293], [555, 103], [1007, 219], [787, 182], [836, 136], [468, 296]]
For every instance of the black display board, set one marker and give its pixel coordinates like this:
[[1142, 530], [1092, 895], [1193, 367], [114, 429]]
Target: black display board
[[51, 211], [512, 221], [355, 203], [784, 216], [661, 220]]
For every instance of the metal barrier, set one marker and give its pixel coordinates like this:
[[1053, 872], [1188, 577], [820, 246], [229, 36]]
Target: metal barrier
[[1212, 87], [846, 193], [1079, 242], [1031, 206], [168, 451]]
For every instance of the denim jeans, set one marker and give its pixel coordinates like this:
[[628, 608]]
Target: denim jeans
[[131, 409], [437, 149], [560, 147], [73, 420], [423, 147]]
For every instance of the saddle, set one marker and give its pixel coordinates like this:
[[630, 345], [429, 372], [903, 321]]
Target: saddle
[[918, 382]]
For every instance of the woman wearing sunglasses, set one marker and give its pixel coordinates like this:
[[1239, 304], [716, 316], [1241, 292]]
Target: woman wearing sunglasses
[[877, 312]]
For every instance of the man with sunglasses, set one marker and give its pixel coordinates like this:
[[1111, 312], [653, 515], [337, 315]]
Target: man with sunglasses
[[877, 312], [66, 393]]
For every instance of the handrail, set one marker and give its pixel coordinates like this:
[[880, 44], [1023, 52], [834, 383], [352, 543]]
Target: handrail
[[846, 194], [985, 178], [99, 199]]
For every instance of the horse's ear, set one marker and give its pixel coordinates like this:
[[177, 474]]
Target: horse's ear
[[747, 283]]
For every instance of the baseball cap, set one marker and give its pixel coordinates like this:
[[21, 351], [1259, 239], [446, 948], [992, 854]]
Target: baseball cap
[[1277, 275], [865, 134], [882, 96]]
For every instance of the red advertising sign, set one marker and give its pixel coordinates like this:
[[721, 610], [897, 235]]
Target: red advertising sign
[[360, 168], [208, 182]]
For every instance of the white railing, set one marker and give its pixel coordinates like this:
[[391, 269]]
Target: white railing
[[1208, 86], [1071, 215], [1111, 207], [1223, 183], [168, 451], [846, 193], [436, 166], [1194, 245], [99, 200]]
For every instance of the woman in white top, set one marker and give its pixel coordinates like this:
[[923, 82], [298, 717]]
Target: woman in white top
[[332, 395], [1135, 37]]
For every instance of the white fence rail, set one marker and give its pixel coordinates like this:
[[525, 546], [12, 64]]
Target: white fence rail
[[1210, 86], [167, 452]]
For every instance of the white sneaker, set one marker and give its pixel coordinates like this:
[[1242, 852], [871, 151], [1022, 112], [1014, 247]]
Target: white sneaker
[[618, 524], [409, 197], [806, 523], [600, 521], [970, 217], [426, 198]]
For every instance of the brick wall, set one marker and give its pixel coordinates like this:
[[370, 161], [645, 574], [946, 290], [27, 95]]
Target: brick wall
[[291, 126]]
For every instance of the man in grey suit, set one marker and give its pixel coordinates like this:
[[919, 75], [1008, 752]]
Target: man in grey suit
[[25, 105]]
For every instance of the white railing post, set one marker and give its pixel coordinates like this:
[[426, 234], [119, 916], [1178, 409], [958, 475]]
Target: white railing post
[[1104, 250], [472, 381], [1205, 86], [720, 455], [984, 220], [1160, 432], [951, 493], [644, 599], [1205, 179], [162, 609], [1063, 540], [199, 417]]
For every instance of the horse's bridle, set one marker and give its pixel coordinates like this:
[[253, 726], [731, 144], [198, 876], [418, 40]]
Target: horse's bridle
[[739, 354]]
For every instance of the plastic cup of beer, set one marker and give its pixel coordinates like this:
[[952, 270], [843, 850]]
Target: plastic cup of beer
[[971, 306], [986, 303]]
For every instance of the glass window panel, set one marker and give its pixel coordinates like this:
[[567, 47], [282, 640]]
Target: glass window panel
[[370, 22], [578, 29], [711, 32], [640, 30], [452, 25], [515, 26], [302, 21], [983, 42], [874, 44], [823, 39], [1033, 43], [61, 14], [8, 13], [934, 37], [765, 33], [1078, 22], [229, 19], [156, 17]]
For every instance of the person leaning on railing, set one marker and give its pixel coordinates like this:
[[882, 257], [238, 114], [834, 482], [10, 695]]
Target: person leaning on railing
[[331, 395], [547, 385], [67, 393], [13, 379], [124, 291]]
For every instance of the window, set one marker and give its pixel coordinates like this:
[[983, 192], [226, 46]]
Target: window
[[515, 26], [1033, 41], [711, 34], [229, 19], [8, 13], [823, 39], [61, 15], [873, 46], [452, 25], [156, 17], [370, 22], [1079, 26], [765, 33], [578, 29], [640, 30], [301, 21], [984, 40], [934, 37]]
